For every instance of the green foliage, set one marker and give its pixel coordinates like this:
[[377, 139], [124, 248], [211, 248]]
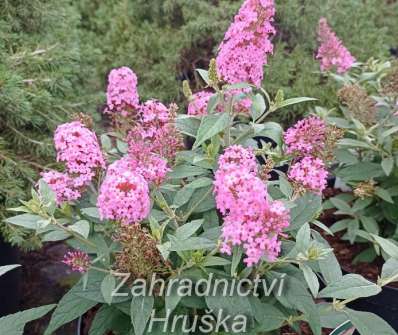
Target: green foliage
[[39, 67], [164, 41]]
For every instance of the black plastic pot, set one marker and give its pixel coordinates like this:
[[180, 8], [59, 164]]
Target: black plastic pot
[[385, 305], [10, 283]]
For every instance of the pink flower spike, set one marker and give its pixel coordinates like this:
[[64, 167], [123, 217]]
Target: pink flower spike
[[243, 52], [77, 260], [332, 53], [122, 96]]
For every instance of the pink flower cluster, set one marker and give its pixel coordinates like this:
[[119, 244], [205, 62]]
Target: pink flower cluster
[[198, 103], [77, 260], [310, 173], [332, 53], [155, 131], [306, 137], [124, 194], [62, 185], [250, 219], [243, 52], [77, 147], [122, 96]]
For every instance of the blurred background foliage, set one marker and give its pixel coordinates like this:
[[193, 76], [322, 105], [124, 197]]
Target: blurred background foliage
[[55, 56]]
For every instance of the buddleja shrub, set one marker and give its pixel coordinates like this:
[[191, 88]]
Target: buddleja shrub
[[367, 157], [141, 209]]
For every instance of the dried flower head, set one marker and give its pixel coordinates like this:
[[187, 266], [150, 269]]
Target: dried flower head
[[139, 255], [77, 260], [359, 104], [365, 189], [332, 53], [390, 82]]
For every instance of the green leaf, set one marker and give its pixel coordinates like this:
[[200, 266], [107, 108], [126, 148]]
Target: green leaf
[[361, 171], [210, 126], [370, 224], [204, 75], [91, 211], [303, 238], [258, 106], [285, 186], [109, 318], [383, 194], [14, 324], [268, 316], [55, 235], [192, 243], [187, 124], [184, 171], [295, 295], [292, 101], [228, 304], [28, 221], [368, 323], [307, 208], [389, 247], [348, 142], [141, 309], [215, 261], [81, 227], [389, 132], [389, 272], [69, 308], [329, 266], [106, 142], [311, 279], [236, 257], [271, 130], [341, 204], [47, 196], [344, 329], [107, 287], [172, 298], [188, 229], [350, 286], [387, 164], [5, 268]]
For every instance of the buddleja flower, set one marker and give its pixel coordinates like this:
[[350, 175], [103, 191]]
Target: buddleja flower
[[332, 53], [62, 185], [77, 146], [122, 96], [77, 260], [306, 137], [250, 219], [156, 131], [243, 52], [310, 174], [124, 195], [199, 102]]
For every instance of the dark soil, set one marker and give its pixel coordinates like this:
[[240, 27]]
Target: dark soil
[[45, 279]]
